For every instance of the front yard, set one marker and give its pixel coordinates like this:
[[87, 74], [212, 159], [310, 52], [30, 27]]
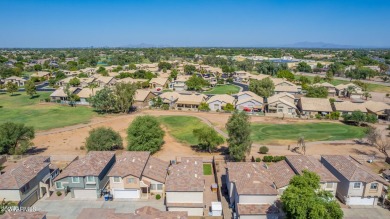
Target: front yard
[[21, 108]]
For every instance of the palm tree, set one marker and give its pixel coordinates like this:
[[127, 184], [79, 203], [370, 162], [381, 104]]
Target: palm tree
[[350, 90], [301, 143], [367, 95], [92, 86]]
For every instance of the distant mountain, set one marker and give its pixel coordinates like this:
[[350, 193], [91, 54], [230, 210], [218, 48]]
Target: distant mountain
[[145, 45], [321, 45]]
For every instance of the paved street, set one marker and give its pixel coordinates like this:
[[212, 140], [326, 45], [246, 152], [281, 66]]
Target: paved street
[[368, 212], [71, 208]]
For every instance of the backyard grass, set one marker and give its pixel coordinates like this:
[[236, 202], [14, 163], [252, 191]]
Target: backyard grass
[[320, 131], [207, 170], [21, 108], [224, 89], [181, 127]]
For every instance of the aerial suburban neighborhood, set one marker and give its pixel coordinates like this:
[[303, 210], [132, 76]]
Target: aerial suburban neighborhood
[[210, 122]]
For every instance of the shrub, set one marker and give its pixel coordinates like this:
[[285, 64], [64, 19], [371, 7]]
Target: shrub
[[268, 158], [278, 158], [387, 95], [258, 159], [165, 107], [318, 116], [59, 193], [263, 150], [158, 197]]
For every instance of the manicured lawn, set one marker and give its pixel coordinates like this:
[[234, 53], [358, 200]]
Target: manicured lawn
[[371, 87], [207, 170], [224, 89], [320, 131], [181, 127], [20, 108]]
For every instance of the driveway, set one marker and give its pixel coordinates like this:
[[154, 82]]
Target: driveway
[[368, 212], [65, 209]]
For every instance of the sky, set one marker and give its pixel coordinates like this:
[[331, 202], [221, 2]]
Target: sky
[[195, 23]]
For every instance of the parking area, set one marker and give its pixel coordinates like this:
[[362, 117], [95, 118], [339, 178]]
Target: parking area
[[368, 212], [65, 209]]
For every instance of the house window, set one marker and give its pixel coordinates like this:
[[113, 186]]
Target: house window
[[59, 185], [289, 110], [159, 186], [90, 179], [75, 179], [280, 110], [329, 185], [356, 185], [216, 106], [156, 187], [374, 186], [117, 179], [130, 180]]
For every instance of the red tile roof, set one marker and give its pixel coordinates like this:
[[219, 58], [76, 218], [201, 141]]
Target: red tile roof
[[130, 163], [256, 209], [186, 176]]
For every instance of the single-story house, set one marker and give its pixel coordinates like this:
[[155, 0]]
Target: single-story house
[[85, 177], [84, 82], [249, 101], [41, 74], [159, 83], [190, 102], [185, 185], [86, 93], [311, 106], [170, 98], [60, 93], [281, 174], [103, 81], [358, 185], [299, 163], [16, 80], [331, 88], [282, 85], [26, 181], [342, 90], [217, 102], [377, 108], [347, 107], [142, 98]]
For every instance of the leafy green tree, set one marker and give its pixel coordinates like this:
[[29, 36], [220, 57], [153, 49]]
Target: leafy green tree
[[164, 65], [270, 68], [367, 95], [82, 75], [72, 97], [203, 106], [336, 68], [15, 138], [30, 88], [246, 65], [173, 74], [208, 138], [11, 87], [319, 65], [103, 139], [316, 79], [227, 69], [189, 69], [317, 92], [196, 83], [304, 67], [329, 76], [358, 117], [145, 134], [228, 107], [304, 199], [74, 82], [286, 74], [132, 67], [239, 131], [104, 100], [371, 118], [124, 96], [102, 70], [264, 87], [38, 67]]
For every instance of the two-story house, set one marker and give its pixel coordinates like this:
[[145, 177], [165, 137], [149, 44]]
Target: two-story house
[[26, 181], [252, 193], [299, 163], [179, 84], [85, 177], [358, 185], [185, 186], [137, 174]]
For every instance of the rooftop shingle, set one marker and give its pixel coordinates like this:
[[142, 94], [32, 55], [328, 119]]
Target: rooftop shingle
[[186, 176]]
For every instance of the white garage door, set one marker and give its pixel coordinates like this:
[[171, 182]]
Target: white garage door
[[85, 193], [128, 193], [361, 201]]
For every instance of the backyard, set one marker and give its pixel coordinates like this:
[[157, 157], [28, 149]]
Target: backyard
[[224, 89], [21, 108], [320, 131]]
